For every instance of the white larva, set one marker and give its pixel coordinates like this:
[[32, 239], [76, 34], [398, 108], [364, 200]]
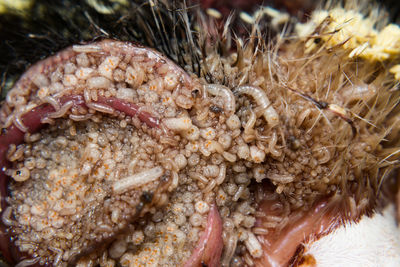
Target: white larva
[[6, 216], [208, 133], [40, 80], [229, 249], [69, 68], [259, 173], [213, 146], [198, 177], [210, 186], [252, 245], [222, 174], [83, 73], [125, 93], [23, 110], [69, 80], [134, 76], [137, 180], [243, 151], [256, 154], [21, 174], [248, 135], [27, 262], [118, 248], [175, 182], [233, 122], [280, 178], [229, 156], [52, 101], [225, 93], [100, 107], [43, 92], [19, 123], [271, 146], [61, 111], [170, 81], [201, 207], [92, 48], [13, 153], [204, 148], [178, 124], [98, 82], [107, 67], [269, 113], [80, 117], [192, 134]]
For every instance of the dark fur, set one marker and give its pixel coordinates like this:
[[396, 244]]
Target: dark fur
[[52, 25]]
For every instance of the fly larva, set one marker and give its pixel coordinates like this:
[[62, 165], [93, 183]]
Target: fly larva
[[263, 104], [226, 94]]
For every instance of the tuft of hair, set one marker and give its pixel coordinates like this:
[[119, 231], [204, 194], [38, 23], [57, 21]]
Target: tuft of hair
[[336, 99], [46, 26]]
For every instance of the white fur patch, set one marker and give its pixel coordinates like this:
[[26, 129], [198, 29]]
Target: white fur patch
[[373, 242]]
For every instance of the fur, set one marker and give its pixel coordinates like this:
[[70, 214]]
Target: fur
[[373, 241]]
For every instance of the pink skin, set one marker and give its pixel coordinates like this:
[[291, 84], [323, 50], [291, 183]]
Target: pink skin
[[15, 136], [130, 109], [209, 247], [280, 246]]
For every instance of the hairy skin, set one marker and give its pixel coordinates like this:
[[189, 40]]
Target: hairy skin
[[316, 88]]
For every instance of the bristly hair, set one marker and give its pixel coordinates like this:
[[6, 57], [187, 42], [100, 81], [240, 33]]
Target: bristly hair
[[168, 26]]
